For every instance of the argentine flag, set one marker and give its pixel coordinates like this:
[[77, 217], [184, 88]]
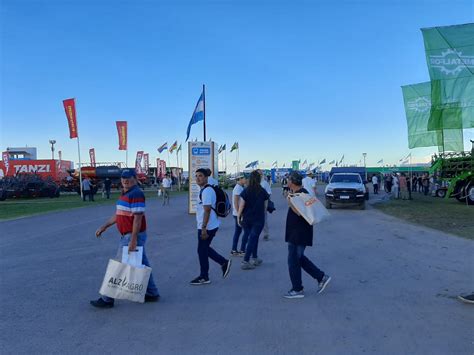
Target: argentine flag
[[198, 114]]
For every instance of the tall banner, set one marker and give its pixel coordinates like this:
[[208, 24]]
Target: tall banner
[[146, 161], [138, 162], [70, 109], [122, 134], [6, 162], [201, 155], [92, 156]]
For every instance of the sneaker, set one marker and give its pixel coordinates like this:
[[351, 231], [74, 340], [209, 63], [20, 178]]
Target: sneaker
[[149, 298], [100, 303], [247, 266], [242, 253], [294, 294], [324, 282], [256, 261], [226, 268], [234, 253], [200, 281], [467, 299]]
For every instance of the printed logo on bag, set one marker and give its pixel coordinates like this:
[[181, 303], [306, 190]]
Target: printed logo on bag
[[116, 282], [310, 202], [451, 62]]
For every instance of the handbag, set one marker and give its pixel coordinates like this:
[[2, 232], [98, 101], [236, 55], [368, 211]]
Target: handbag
[[270, 206], [309, 207], [125, 282]]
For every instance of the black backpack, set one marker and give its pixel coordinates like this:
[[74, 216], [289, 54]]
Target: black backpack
[[223, 205]]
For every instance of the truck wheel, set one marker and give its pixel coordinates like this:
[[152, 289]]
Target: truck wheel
[[362, 206], [469, 191], [441, 193]]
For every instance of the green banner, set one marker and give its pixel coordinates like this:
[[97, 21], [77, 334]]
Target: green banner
[[417, 99], [295, 165], [450, 58]]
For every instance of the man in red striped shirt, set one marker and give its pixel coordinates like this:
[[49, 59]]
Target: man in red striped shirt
[[131, 224]]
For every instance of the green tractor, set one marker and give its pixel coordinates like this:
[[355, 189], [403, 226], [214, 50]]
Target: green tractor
[[457, 169]]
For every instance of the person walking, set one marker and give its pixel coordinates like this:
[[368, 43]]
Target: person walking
[[426, 184], [284, 185], [403, 187], [309, 184], [395, 186], [87, 189], [375, 184], [251, 216], [207, 226], [239, 187], [107, 187], [299, 235], [264, 183], [131, 224], [166, 188]]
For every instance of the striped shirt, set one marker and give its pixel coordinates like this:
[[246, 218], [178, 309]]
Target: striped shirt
[[130, 203]]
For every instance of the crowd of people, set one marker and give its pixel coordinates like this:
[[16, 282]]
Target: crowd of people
[[250, 205], [402, 186]]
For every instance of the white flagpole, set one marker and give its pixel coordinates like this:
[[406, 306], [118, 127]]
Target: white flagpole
[[79, 155]]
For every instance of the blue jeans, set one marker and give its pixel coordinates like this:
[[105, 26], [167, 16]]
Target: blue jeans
[[237, 232], [205, 252], [296, 261], [151, 289], [253, 231]]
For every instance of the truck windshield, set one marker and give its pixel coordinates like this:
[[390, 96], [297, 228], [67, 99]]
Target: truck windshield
[[346, 178]]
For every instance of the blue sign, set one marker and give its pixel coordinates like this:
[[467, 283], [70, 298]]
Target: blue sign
[[201, 151]]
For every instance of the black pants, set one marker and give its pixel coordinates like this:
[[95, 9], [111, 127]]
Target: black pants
[[87, 192]]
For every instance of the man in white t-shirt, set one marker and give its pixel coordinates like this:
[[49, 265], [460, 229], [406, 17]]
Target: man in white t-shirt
[[239, 187], [309, 184], [166, 188], [375, 184], [264, 183], [207, 226]]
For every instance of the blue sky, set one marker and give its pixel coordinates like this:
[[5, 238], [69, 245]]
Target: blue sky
[[286, 79]]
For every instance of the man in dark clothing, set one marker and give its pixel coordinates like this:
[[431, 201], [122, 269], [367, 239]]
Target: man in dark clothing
[[299, 235], [107, 186]]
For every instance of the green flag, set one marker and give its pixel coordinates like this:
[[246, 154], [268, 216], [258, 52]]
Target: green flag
[[417, 99], [450, 58]]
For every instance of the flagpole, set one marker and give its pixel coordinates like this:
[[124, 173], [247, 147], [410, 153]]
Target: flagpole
[[204, 106], [79, 156], [126, 156], [179, 172], [225, 159]]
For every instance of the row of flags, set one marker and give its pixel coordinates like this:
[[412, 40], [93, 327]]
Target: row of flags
[[171, 149]]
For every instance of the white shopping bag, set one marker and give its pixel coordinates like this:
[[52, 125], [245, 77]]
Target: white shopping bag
[[134, 258], [125, 282], [309, 207]]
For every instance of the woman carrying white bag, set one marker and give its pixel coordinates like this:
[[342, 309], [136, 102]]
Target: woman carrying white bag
[[299, 234]]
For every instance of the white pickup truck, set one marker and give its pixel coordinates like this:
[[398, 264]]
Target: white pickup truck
[[345, 189]]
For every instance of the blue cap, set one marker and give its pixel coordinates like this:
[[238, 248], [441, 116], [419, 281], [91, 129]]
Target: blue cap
[[128, 173]]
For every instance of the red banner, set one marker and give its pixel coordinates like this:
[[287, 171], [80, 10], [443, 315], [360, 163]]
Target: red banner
[[122, 134], [138, 162], [70, 109], [6, 162], [92, 156], [146, 161]]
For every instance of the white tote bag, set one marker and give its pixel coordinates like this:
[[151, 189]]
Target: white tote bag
[[125, 282], [309, 207], [134, 258]]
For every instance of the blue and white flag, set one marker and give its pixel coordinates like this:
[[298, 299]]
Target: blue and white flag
[[322, 161], [198, 114], [380, 161]]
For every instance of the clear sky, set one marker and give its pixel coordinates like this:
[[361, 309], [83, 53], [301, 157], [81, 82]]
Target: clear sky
[[286, 79]]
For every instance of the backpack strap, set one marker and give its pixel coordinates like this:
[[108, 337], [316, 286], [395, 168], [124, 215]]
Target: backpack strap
[[200, 192]]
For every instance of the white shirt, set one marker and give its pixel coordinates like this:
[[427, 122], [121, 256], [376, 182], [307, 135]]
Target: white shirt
[[395, 181], [309, 185], [264, 183], [86, 185], [375, 180], [212, 181], [208, 199], [166, 183], [236, 192]]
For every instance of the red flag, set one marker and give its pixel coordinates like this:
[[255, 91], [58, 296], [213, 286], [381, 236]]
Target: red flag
[[6, 162], [92, 156], [122, 134], [146, 160], [138, 162], [70, 109]]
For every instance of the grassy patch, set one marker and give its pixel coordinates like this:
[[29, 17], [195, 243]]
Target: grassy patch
[[445, 215], [26, 207]]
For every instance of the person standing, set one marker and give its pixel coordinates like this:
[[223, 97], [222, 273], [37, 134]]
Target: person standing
[[131, 224], [403, 186], [87, 189], [426, 184], [239, 187], [284, 185], [309, 184], [395, 186], [207, 226], [251, 216], [375, 184], [166, 188], [264, 183], [107, 187], [299, 235]]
